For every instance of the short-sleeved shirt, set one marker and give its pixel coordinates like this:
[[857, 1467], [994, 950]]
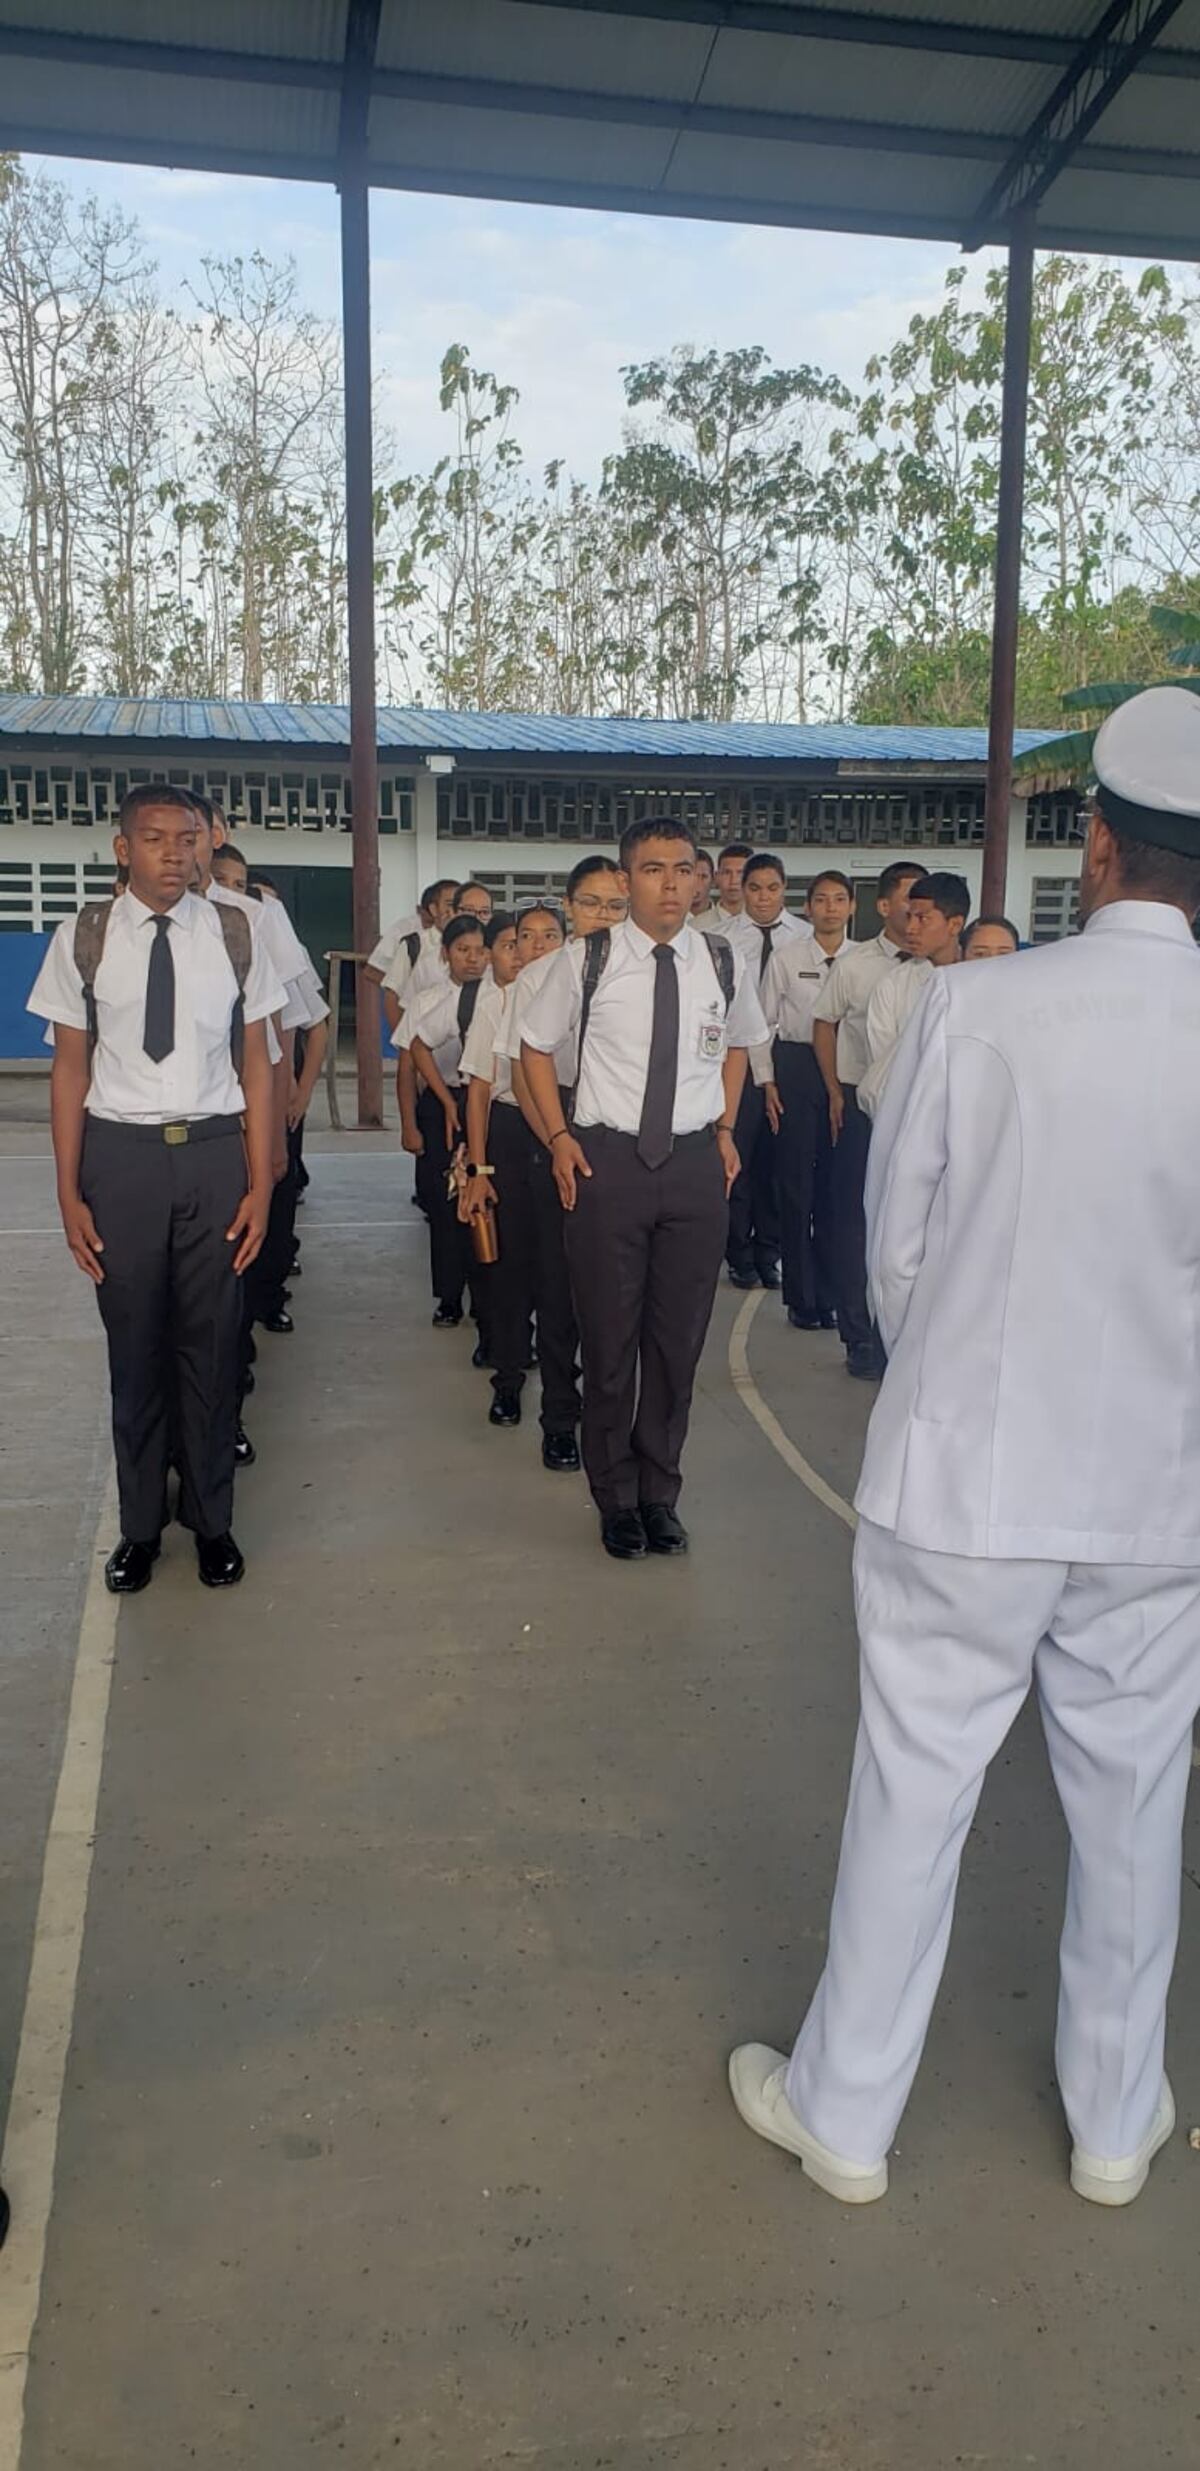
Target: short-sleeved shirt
[[433, 1018], [616, 1051], [391, 940], [889, 1012], [532, 977], [400, 977], [795, 976], [483, 1058], [845, 996], [747, 938], [197, 1078]]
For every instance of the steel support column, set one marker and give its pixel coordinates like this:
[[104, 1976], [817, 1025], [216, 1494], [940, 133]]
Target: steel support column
[[361, 33], [1006, 604]]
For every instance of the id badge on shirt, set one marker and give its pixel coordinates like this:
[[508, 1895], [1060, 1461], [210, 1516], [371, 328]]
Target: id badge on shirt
[[713, 1042]]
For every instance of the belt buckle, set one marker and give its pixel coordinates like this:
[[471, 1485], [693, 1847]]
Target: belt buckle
[[175, 1134]]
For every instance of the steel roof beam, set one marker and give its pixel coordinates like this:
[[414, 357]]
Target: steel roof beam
[[1104, 64]]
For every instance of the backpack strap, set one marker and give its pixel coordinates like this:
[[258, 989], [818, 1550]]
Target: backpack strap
[[91, 927], [412, 946], [722, 961], [235, 927], [596, 949]]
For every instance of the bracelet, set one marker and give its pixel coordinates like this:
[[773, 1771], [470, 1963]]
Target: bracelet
[[562, 1134]]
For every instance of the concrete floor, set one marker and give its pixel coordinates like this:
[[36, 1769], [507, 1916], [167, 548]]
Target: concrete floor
[[436, 1869]]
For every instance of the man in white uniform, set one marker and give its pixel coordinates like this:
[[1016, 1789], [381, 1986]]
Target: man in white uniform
[[939, 906], [1030, 1499], [765, 926]]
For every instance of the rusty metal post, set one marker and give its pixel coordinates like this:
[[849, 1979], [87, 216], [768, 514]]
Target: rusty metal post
[[1006, 606], [362, 34]]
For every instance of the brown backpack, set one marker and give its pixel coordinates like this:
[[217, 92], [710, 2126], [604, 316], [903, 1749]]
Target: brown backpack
[[91, 927]]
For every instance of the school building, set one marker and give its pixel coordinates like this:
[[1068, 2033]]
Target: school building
[[511, 798]]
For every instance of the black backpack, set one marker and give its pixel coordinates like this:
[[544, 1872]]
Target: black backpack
[[91, 927], [598, 946]]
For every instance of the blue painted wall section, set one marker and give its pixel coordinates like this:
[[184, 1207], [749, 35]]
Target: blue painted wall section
[[20, 1035]]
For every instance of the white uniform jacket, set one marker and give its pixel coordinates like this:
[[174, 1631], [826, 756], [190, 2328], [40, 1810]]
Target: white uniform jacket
[[1033, 1212]]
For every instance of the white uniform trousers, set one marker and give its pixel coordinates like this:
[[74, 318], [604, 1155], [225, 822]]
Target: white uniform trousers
[[948, 1650]]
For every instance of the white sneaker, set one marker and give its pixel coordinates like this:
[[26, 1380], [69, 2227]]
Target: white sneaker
[[1117, 2183], [756, 2081]]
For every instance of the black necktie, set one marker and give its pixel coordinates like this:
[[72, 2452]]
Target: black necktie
[[158, 1037], [655, 1139], [468, 997], [766, 934]]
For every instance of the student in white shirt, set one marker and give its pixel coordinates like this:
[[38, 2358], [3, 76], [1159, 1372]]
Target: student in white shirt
[[939, 905], [726, 904], [840, 1047], [1029, 1506], [499, 1142], [798, 1107], [402, 948], [765, 926], [164, 1201], [430, 1039], [595, 901], [702, 896], [644, 1172]]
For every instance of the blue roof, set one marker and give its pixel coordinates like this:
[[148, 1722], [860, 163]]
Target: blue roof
[[312, 728]]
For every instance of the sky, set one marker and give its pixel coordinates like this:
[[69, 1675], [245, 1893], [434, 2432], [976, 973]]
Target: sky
[[555, 301]]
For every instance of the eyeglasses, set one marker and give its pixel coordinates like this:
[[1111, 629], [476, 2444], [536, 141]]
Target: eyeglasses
[[527, 909], [594, 905]]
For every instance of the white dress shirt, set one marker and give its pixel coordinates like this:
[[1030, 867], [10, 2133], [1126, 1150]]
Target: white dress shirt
[[1034, 1255], [197, 1078], [400, 977], [483, 1057], [533, 976], [391, 940], [747, 938], [616, 1052], [433, 1017], [894, 1000], [845, 996], [788, 993], [285, 952]]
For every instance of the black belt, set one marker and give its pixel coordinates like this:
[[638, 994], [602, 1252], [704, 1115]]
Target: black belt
[[176, 1136], [680, 1141]]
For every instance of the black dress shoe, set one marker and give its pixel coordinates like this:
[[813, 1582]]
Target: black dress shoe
[[297, 1270], [285, 1295], [130, 1568], [560, 1453], [623, 1535], [447, 1317], [804, 1321], [743, 1278], [665, 1533], [771, 1278], [480, 1357], [244, 1452], [865, 1362], [280, 1325], [5, 2217], [219, 1560], [505, 1408], [828, 1320]]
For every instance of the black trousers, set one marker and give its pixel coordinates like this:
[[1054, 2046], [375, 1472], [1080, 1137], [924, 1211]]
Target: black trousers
[[644, 1247], [531, 1276], [753, 1242], [850, 1223], [171, 1307], [805, 1168], [450, 1254]]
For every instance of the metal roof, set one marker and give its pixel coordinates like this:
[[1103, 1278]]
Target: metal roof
[[928, 118], [308, 730]]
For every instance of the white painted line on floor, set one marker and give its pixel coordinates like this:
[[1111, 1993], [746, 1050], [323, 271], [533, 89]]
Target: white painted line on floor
[[31, 2142], [752, 1399]]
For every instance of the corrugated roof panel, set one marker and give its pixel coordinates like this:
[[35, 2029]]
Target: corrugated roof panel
[[848, 189], [524, 45], [1075, 18], [537, 736], [1155, 213], [1152, 111], [480, 144], [842, 81], [292, 29], [272, 121]]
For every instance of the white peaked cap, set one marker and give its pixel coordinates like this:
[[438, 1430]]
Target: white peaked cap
[[1147, 763]]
